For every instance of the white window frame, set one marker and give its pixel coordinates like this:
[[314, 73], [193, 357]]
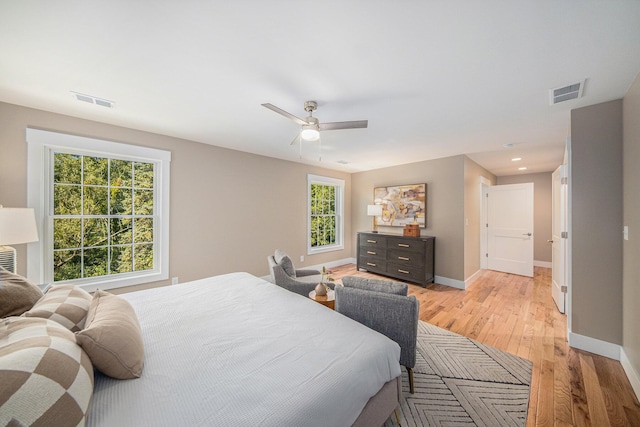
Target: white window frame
[[339, 185], [40, 148]]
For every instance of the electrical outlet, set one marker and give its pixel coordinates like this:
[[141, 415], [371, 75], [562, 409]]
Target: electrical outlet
[[301, 258], [174, 280]]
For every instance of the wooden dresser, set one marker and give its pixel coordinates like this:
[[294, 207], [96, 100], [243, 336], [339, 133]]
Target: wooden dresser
[[401, 257]]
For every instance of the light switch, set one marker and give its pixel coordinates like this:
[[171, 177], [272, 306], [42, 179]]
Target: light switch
[[625, 232]]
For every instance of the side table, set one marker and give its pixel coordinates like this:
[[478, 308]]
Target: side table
[[328, 300]]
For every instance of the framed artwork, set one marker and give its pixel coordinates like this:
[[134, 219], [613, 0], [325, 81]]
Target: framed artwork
[[402, 204]]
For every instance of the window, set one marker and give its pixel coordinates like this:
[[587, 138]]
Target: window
[[103, 210], [325, 214]]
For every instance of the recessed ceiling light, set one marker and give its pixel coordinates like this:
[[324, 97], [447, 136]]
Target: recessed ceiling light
[[516, 159], [343, 162], [507, 145], [523, 168]]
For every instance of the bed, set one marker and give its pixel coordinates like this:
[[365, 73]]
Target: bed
[[238, 350]]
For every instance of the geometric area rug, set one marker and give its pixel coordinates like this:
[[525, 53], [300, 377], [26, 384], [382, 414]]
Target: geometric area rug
[[461, 382]]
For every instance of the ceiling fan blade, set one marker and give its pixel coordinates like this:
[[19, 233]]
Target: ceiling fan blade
[[356, 124], [280, 111]]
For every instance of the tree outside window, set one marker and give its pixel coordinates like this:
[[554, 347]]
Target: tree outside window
[[102, 216]]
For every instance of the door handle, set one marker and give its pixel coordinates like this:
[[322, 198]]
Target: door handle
[[549, 241], [526, 234]]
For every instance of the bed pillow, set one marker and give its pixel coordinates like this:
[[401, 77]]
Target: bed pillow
[[112, 337], [283, 260], [66, 304], [46, 378], [17, 294]]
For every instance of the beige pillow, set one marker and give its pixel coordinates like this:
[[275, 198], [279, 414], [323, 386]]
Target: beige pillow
[[112, 337], [17, 294], [46, 379], [66, 304]]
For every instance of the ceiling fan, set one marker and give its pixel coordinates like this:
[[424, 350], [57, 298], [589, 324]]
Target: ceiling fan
[[311, 127]]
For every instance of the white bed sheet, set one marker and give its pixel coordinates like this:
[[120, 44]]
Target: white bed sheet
[[239, 351]]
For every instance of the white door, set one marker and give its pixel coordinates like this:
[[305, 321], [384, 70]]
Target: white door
[[510, 228], [558, 238]]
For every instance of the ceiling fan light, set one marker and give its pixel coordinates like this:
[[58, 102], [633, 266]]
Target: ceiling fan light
[[310, 133]]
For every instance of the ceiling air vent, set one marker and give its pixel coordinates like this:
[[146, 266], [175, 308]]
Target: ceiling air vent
[[566, 93], [93, 100]]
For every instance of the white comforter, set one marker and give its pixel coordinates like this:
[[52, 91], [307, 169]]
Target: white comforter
[[235, 350]]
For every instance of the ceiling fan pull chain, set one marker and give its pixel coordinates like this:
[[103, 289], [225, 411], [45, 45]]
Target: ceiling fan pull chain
[[319, 149], [300, 142]]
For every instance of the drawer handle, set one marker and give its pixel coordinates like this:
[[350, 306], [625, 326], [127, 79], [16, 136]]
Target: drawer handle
[[404, 258], [403, 245], [371, 253], [371, 264], [403, 271], [371, 241]]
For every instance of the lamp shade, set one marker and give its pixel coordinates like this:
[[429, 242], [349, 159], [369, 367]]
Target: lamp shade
[[17, 225], [374, 210]]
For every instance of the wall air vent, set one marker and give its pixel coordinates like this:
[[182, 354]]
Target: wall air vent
[[8, 258], [93, 100], [566, 93]]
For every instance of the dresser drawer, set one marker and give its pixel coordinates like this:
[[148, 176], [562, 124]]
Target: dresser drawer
[[405, 257], [369, 241], [405, 272], [405, 244], [373, 252], [372, 264]]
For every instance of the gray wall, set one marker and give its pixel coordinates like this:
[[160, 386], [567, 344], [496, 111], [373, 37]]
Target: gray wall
[[542, 210], [229, 209], [631, 218], [596, 221], [447, 207]]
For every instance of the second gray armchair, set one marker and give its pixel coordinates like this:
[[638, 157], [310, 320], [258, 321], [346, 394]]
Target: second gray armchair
[[383, 306]]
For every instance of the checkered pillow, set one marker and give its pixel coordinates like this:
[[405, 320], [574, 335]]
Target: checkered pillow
[[46, 378], [66, 304]]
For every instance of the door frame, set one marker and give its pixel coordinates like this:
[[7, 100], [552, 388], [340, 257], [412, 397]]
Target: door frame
[[484, 237], [559, 232]]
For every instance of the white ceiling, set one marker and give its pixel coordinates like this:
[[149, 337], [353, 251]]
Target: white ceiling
[[434, 78]]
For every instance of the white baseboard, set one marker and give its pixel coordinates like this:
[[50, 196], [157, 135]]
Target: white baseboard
[[450, 282], [633, 376], [545, 264], [471, 278], [594, 345], [330, 264]]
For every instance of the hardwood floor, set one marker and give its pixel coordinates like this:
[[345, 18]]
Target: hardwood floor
[[517, 314]]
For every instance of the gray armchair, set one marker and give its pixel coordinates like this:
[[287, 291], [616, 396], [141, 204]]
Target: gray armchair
[[284, 274], [383, 306]]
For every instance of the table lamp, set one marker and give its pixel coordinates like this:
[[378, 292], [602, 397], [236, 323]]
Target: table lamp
[[375, 211], [17, 225]]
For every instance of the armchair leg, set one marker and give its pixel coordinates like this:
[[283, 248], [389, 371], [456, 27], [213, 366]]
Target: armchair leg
[[395, 411], [410, 372]]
